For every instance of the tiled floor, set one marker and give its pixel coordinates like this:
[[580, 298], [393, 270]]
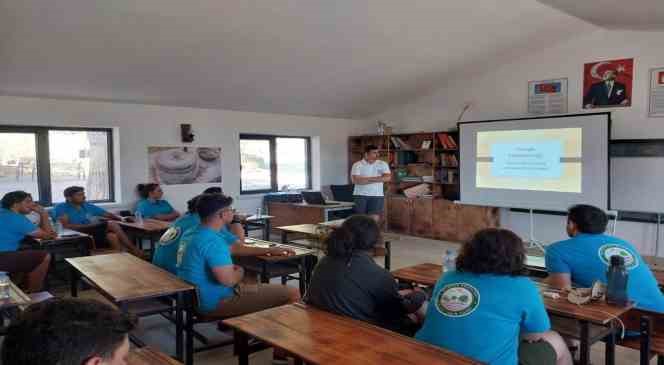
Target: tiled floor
[[159, 333]]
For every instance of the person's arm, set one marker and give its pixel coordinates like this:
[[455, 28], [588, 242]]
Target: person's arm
[[168, 217], [535, 320], [561, 281], [228, 275], [386, 294], [560, 276], [237, 229], [64, 219], [111, 216], [44, 219], [240, 249]]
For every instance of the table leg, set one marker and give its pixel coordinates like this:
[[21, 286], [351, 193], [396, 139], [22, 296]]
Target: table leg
[[388, 255], [74, 278], [189, 328], [265, 278], [585, 343], [242, 347], [179, 304], [610, 349], [284, 237], [266, 229]]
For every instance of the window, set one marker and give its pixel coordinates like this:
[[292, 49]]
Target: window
[[274, 163], [44, 161]]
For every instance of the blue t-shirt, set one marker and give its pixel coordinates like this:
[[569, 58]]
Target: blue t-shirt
[[166, 251], [14, 228], [586, 257], [149, 208], [207, 249], [83, 215], [465, 305]]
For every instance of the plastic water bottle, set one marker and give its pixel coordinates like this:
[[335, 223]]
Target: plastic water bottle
[[4, 285], [616, 278], [449, 260], [59, 229], [139, 218]]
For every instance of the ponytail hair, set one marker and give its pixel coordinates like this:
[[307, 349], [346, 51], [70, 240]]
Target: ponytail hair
[[357, 233], [144, 190]]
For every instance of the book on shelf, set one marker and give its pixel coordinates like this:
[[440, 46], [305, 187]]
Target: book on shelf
[[426, 144], [447, 141], [449, 160]]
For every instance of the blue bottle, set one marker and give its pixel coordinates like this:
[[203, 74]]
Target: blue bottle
[[616, 278]]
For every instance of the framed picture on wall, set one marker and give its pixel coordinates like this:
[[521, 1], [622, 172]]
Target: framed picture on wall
[[547, 96], [608, 84], [656, 108]]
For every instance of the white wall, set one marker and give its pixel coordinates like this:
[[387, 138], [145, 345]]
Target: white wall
[[501, 91], [139, 126]]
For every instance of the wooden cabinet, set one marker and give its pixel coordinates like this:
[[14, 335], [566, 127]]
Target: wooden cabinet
[[399, 214], [410, 216], [438, 218]]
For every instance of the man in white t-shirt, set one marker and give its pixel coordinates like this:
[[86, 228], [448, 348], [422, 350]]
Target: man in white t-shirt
[[368, 175]]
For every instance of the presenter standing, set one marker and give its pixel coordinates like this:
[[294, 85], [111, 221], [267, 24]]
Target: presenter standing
[[368, 175]]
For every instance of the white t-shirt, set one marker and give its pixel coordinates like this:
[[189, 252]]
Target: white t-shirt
[[365, 169]]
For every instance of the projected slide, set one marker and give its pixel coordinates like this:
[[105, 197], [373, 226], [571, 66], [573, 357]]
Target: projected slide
[[533, 159]]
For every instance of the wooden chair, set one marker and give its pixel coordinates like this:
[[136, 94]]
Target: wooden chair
[[651, 327]]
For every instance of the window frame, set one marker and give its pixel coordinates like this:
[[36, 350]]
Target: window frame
[[272, 139], [43, 163]]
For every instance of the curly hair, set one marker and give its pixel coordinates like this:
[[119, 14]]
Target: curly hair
[[65, 331], [493, 251], [357, 233]]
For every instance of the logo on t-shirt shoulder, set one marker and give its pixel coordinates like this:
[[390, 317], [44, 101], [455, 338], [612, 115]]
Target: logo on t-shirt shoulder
[[611, 249], [458, 300], [171, 235]]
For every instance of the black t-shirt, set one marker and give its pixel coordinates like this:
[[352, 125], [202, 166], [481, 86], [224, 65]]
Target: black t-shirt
[[357, 288]]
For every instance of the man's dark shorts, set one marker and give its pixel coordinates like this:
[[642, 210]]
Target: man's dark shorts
[[368, 204], [21, 261]]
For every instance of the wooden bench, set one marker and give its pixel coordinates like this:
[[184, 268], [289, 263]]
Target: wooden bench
[[651, 327]]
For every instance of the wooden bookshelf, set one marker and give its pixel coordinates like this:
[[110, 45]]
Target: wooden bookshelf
[[432, 159]]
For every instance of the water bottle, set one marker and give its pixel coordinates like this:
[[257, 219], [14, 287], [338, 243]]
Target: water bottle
[[59, 229], [449, 261], [4, 285], [139, 218], [616, 278]]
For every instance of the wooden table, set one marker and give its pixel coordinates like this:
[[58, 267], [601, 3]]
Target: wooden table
[[249, 222], [60, 246], [150, 229], [288, 213], [596, 313], [149, 356], [305, 257], [124, 279], [319, 337], [313, 231]]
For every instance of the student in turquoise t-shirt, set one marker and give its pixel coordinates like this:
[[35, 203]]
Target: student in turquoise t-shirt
[[488, 311], [584, 258], [181, 231], [14, 228], [207, 263], [79, 215], [152, 205]]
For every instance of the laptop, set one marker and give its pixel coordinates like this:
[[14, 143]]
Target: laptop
[[315, 198]]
